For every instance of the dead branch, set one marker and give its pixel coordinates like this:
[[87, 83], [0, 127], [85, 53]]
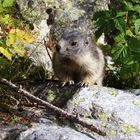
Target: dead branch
[[48, 47], [53, 108]]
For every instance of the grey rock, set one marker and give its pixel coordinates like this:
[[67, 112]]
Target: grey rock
[[134, 91], [115, 110], [51, 132], [37, 53], [33, 10], [118, 111], [10, 132]]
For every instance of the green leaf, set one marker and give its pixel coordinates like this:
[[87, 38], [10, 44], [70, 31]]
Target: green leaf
[[121, 14], [1, 7], [19, 50], [120, 24], [120, 38], [125, 72], [137, 25], [100, 14], [129, 60], [128, 6], [8, 3], [98, 32], [4, 18], [119, 51], [137, 8], [134, 44], [136, 1], [104, 26], [129, 33]]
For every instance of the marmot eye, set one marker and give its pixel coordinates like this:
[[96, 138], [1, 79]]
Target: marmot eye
[[73, 43], [86, 42]]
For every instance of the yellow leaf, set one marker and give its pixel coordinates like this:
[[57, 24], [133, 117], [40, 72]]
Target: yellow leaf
[[11, 39], [6, 53], [19, 36]]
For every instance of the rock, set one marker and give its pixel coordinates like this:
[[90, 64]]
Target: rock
[[35, 13], [116, 110], [53, 92], [50, 131], [76, 15], [134, 91], [37, 53], [11, 132]]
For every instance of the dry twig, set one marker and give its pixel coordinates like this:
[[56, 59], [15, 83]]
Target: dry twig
[[55, 109]]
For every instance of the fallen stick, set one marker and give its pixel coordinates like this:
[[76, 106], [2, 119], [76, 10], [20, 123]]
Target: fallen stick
[[52, 107]]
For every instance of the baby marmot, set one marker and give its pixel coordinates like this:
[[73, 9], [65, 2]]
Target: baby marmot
[[78, 60]]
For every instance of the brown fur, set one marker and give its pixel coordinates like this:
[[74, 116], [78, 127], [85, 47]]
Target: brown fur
[[77, 59]]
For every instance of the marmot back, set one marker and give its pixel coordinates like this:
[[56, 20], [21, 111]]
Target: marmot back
[[78, 60]]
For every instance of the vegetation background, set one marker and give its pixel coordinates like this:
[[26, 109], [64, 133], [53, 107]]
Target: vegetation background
[[121, 27]]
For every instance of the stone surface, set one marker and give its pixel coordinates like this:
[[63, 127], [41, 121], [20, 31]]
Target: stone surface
[[118, 111], [11, 132], [34, 12], [48, 131]]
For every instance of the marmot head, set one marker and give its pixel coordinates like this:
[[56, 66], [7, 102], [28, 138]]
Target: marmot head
[[73, 44]]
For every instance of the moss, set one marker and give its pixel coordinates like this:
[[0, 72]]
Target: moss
[[81, 1], [78, 101], [51, 96], [52, 3], [136, 103], [102, 116], [113, 92], [127, 129], [104, 124], [113, 132]]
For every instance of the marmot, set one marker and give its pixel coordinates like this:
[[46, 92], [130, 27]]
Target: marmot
[[78, 60]]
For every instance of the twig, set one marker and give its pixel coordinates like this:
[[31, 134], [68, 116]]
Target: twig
[[53, 108], [45, 44]]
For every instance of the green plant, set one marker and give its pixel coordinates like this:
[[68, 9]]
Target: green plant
[[14, 34], [13, 120], [122, 27]]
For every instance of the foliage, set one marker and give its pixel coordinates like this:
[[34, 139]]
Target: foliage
[[13, 32], [122, 29]]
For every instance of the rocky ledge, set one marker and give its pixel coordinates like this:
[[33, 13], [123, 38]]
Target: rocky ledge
[[117, 111]]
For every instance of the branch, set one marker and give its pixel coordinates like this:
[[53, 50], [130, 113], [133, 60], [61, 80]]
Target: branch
[[55, 109]]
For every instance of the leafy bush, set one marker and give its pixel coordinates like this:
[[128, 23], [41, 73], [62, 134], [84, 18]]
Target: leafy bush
[[14, 34], [122, 29]]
